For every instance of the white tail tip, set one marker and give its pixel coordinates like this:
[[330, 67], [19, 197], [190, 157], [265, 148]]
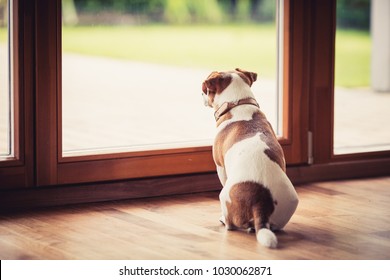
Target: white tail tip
[[267, 238]]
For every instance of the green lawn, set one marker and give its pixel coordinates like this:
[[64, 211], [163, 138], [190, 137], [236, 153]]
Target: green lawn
[[220, 48], [353, 58], [247, 46]]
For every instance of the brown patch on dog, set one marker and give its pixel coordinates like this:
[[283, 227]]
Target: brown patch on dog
[[251, 205], [275, 151], [225, 117], [217, 82], [240, 130], [248, 77]]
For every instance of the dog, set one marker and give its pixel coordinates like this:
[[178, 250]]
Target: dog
[[256, 194]]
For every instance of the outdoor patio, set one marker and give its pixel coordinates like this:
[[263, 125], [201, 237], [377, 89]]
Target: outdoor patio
[[114, 105], [146, 106], [122, 105]]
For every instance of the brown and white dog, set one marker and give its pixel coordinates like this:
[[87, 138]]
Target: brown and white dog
[[250, 163]]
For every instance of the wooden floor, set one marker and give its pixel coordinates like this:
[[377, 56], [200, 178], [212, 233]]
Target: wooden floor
[[335, 220]]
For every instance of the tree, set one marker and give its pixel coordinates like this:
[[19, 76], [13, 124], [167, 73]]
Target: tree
[[69, 12], [188, 11]]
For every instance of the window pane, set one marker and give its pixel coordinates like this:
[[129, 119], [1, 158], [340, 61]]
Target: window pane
[[362, 77], [132, 71], [5, 92]]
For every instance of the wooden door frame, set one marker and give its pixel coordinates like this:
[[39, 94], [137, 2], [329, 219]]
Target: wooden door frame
[[53, 169], [308, 72], [17, 171], [322, 68]]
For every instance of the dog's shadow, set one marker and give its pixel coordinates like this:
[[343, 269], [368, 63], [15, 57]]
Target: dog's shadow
[[287, 238]]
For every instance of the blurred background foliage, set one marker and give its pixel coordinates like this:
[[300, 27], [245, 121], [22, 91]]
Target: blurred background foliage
[[240, 24], [168, 11], [353, 14], [232, 21]]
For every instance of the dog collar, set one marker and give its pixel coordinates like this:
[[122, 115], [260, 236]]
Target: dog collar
[[227, 106]]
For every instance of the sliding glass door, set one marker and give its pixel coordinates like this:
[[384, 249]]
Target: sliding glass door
[[362, 77], [132, 72], [6, 92], [108, 93], [16, 94]]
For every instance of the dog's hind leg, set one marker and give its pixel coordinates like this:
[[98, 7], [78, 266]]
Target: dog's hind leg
[[222, 219], [223, 198], [221, 175], [225, 219]]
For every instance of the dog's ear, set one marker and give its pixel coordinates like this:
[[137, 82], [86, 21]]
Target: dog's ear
[[217, 82], [251, 77]]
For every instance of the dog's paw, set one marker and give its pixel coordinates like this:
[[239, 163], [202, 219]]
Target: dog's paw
[[228, 225], [250, 230], [222, 220]]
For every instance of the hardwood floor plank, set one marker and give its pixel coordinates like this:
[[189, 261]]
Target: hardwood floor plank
[[334, 220]]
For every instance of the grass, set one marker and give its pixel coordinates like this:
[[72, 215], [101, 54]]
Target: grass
[[248, 46], [353, 58]]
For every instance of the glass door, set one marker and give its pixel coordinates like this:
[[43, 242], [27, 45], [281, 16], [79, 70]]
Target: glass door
[[132, 72], [6, 93], [16, 95], [128, 82], [362, 77]]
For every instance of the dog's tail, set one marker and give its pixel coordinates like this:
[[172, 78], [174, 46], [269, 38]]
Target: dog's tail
[[263, 233], [267, 238]]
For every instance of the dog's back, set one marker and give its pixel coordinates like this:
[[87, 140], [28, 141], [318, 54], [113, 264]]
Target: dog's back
[[256, 187], [256, 190]]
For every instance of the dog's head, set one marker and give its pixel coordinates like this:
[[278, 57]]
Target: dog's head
[[217, 84]]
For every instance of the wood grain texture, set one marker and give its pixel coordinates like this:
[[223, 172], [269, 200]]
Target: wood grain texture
[[45, 90], [17, 171], [334, 220]]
